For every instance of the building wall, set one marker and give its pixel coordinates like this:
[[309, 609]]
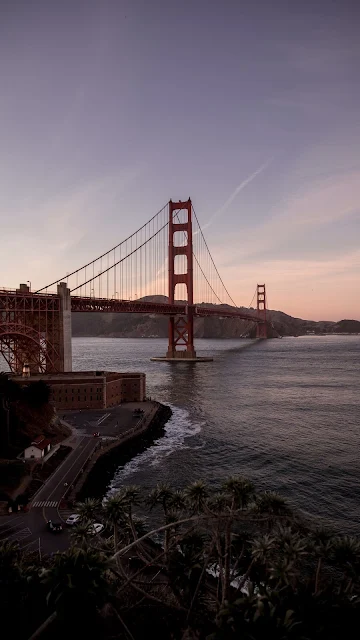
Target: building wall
[[93, 390], [78, 395], [33, 452]]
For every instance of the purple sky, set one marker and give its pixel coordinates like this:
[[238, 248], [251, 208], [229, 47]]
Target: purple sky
[[109, 108]]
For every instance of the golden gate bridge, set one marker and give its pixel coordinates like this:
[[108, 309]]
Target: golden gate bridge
[[164, 268]]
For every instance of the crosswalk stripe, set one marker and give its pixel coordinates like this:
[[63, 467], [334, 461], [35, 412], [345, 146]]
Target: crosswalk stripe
[[46, 503]]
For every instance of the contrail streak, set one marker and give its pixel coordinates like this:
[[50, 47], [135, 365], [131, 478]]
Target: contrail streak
[[232, 197]]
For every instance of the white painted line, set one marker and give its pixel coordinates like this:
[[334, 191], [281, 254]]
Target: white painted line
[[19, 535], [103, 418], [74, 463], [46, 503], [29, 544], [9, 524]]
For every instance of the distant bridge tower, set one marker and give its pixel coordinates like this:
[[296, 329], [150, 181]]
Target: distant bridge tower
[[261, 327], [181, 328]]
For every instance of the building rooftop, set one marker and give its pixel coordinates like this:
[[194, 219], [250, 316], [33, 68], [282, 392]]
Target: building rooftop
[[66, 375], [40, 442]]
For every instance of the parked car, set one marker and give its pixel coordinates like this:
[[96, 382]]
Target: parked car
[[54, 527], [96, 528], [73, 519]]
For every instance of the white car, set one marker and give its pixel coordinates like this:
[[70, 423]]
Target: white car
[[96, 528], [73, 519]]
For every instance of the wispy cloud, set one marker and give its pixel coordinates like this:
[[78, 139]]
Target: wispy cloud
[[236, 191], [325, 204]]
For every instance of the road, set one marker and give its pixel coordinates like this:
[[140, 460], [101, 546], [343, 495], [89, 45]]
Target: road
[[29, 529]]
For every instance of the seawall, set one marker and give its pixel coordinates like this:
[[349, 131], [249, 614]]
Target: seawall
[[101, 467]]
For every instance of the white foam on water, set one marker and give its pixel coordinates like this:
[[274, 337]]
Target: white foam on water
[[177, 430]]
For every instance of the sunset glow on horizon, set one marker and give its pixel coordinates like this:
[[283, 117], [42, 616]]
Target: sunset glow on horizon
[[108, 110]]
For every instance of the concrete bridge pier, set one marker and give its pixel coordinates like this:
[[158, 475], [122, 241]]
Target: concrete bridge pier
[[65, 326]]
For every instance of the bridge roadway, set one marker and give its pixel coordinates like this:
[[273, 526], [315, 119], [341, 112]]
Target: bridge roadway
[[28, 301]]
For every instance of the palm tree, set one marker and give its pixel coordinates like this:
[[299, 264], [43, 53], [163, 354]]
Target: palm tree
[[218, 503], [282, 573], [80, 534], [273, 506], [89, 509], [290, 543], [9, 393], [9, 559], [115, 515], [178, 501], [131, 497], [345, 554], [77, 587], [262, 548], [196, 494], [241, 490], [161, 495], [320, 543]]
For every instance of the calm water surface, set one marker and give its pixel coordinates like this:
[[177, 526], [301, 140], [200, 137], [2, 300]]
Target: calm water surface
[[286, 413]]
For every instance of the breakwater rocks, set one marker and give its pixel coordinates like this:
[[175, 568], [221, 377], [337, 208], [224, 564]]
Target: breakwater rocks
[[102, 467]]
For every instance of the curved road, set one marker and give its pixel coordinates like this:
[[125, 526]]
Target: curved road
[[29, 529]]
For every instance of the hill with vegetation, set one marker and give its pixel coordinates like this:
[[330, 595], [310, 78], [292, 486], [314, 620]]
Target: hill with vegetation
[[137, 325]]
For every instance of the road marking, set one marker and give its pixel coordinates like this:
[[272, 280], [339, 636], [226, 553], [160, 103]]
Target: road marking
[[29, 544], [103, 418], [66, 460], [46, 503], [19, 535], [74, 463], [10, 522]]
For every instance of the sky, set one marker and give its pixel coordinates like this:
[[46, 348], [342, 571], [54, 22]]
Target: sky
[[109, 108]]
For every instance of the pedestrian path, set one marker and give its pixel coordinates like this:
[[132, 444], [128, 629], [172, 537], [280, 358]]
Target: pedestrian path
[[45, 503]]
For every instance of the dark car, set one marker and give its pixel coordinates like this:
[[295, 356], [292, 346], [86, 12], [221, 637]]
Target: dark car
[[54, 527]]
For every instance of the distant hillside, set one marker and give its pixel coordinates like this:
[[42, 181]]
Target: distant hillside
[[347, 326], [137, 325]]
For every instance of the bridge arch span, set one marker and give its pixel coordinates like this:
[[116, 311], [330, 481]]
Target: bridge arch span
[[21, 344]]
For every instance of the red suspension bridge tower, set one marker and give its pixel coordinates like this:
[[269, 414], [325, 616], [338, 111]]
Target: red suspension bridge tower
[[261, 327], [181, 327]]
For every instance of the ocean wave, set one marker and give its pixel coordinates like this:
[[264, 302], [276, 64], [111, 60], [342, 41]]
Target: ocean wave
[[180, 427]]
